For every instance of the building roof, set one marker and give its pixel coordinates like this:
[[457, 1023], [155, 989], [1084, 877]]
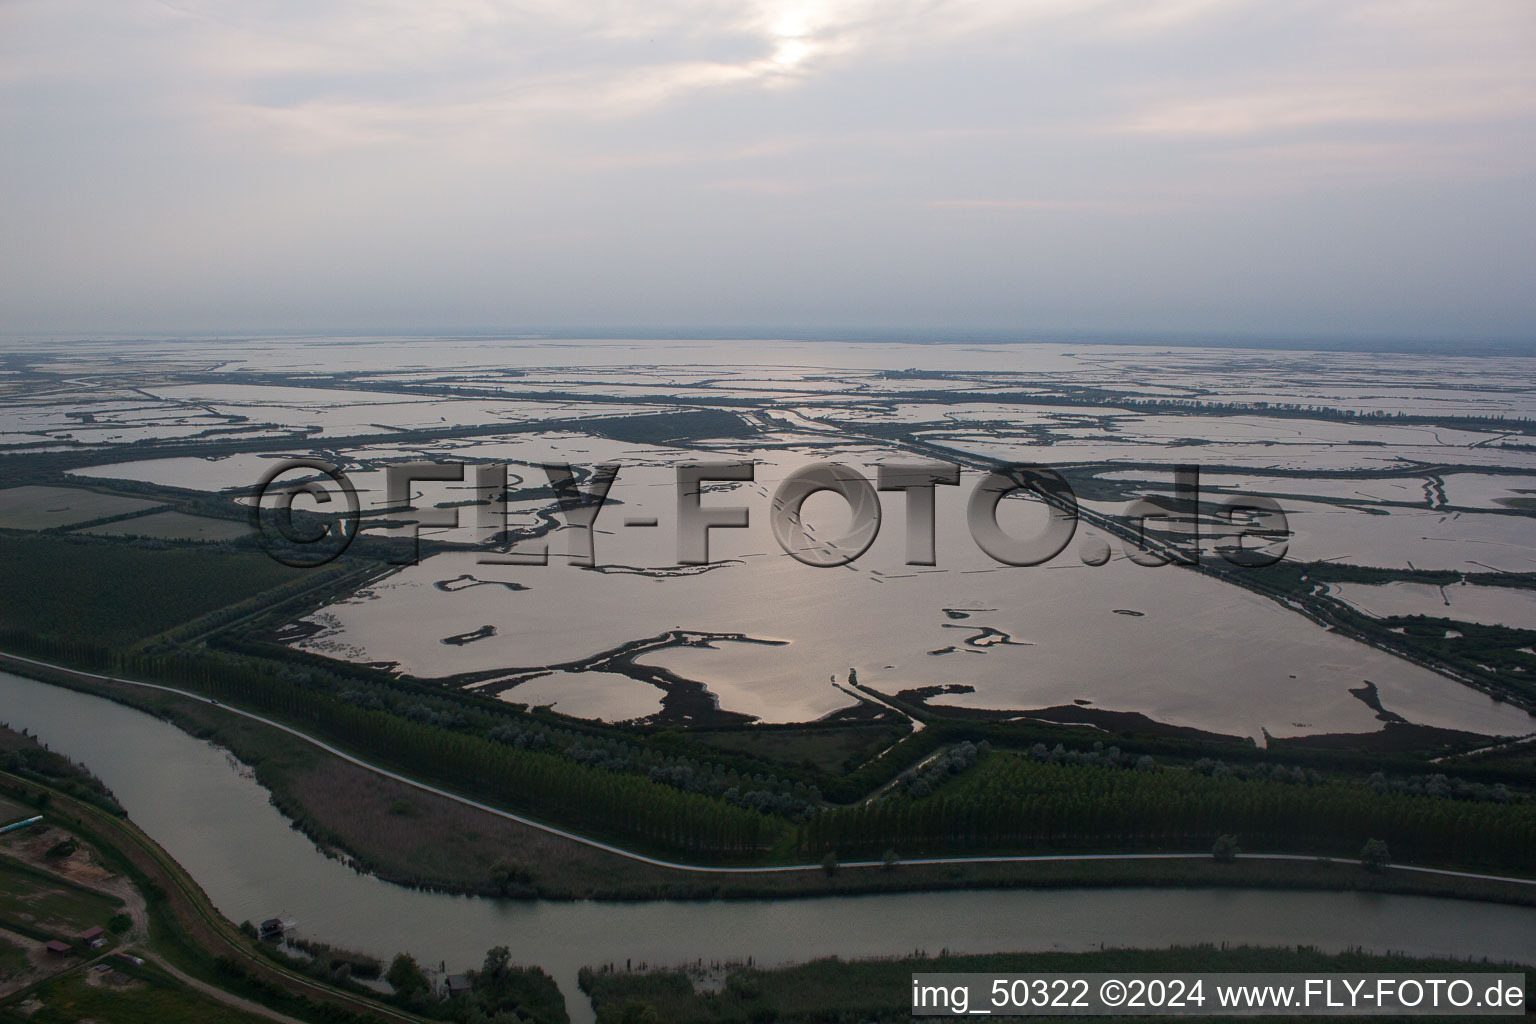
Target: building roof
[[57, 947], [93, 933], [458, 983]]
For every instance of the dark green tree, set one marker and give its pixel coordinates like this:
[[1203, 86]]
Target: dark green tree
[[505, 876], [634, 1011], [1374, 855], [498, 963], [405, 975]]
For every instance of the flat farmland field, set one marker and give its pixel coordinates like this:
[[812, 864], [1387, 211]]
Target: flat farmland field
[[44, 508], [172, 525], [112, 593], [132, 995], [37, 902]]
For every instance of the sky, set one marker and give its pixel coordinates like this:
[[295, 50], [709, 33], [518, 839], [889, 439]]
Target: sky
[[1292, 167]]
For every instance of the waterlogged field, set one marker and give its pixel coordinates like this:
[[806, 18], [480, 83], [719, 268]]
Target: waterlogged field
[[1412, 538], [1395, 463], [768, 636], [1491, 606]]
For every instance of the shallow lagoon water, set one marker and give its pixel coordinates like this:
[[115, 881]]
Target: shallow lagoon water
[[1417, 538], [1483, 490], [1492, 606], [606, 696], [1205, 654]]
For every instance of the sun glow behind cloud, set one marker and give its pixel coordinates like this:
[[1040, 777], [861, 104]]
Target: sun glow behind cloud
[[1030, 161]]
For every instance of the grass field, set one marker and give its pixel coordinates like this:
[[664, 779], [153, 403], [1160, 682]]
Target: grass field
[[173, 525], [109, 593], [145, 996], [32, 901], [11, 811], [43, 508], [13, 960]]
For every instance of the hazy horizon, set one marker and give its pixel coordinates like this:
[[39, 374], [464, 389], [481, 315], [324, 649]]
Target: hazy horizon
[[1333, 342], [1205, 167]]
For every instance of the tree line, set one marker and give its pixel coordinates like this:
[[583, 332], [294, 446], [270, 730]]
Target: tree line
[[1013, 802]]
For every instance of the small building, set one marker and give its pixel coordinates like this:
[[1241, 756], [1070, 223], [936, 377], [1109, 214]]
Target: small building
[[90, 935], [458, 984], [58, 948], [272, 928]]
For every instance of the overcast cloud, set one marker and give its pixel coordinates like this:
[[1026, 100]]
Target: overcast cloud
[[1334, 167]]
